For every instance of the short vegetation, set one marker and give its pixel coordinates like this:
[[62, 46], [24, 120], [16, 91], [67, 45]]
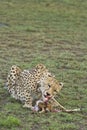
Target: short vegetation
[[52, 32]]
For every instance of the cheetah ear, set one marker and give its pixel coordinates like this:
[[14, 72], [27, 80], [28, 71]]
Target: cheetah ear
[[61, 84], [51, 75]]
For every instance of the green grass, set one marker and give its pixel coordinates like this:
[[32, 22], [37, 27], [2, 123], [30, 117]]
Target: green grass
[[9, 122], [52, 32]]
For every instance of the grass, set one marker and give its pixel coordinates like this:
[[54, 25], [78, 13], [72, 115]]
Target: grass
[[52, 32], [9, 122]]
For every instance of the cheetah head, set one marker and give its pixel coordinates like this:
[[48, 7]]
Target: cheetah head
[[50, 86]]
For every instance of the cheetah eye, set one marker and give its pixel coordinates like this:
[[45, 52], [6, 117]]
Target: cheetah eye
[[49, 75], [61, 84], [49, 85]]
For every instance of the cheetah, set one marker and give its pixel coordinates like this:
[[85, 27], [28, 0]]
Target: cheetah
[[25, 84]]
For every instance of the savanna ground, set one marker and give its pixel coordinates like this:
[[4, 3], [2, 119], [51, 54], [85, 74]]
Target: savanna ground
[[52, 32]]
